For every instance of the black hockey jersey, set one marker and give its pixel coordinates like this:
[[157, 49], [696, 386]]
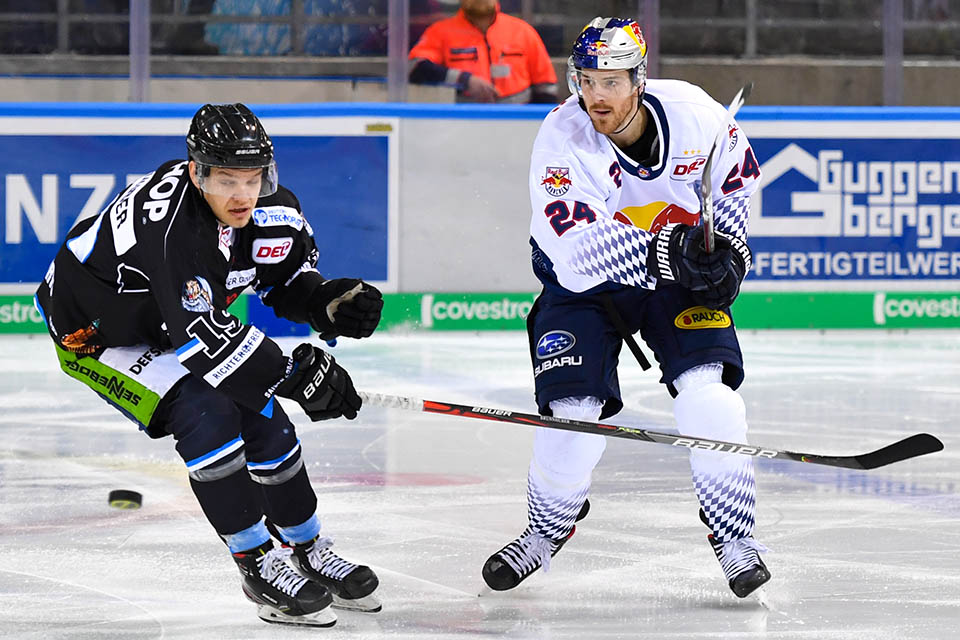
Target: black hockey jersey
[[157, 268]]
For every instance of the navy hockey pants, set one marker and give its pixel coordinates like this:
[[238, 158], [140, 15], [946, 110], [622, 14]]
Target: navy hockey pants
[[242, 465], [575, 347]]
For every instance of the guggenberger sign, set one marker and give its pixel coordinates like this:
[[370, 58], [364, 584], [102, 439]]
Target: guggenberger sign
[[857, 209]]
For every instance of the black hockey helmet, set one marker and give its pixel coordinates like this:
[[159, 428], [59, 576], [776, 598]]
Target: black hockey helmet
[[230, 136]]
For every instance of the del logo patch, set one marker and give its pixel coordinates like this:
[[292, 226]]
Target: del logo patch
[[271, 250], [557, 181], [702, 318]]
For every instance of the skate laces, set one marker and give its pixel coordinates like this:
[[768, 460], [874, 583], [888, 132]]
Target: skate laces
[[736, 556], [326, 561], [529, 551], [275, 570]]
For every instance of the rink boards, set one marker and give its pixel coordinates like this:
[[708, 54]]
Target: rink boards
[[857, 224]]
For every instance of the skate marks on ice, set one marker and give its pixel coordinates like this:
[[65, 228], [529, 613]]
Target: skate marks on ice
[[425, 499], [81, 612]]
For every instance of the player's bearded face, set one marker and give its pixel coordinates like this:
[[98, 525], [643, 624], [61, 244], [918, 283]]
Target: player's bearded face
[[231, 193], [610, 98]]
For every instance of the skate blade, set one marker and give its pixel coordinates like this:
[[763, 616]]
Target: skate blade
[[760, 595], [323, 618], [366, 604]]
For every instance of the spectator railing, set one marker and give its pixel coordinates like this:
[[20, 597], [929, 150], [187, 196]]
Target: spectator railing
[[744, 29]]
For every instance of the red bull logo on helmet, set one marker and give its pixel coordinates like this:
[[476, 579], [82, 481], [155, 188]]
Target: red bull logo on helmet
[[557, 181], [598, 49], [634, 30]]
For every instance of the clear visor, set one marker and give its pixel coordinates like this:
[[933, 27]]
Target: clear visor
[[241, 183], [614, 85]]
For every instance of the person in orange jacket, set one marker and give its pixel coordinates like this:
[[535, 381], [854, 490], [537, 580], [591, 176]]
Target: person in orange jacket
[[488, 55]]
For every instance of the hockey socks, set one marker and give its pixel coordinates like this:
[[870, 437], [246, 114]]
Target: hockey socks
[[724, 483]]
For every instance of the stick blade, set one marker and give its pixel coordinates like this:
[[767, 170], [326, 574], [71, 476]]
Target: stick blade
[[916, 445]]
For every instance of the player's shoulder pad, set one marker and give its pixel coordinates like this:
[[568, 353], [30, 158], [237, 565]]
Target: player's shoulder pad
[[568, 129], [678, 92], [153, 197], [690, 110]]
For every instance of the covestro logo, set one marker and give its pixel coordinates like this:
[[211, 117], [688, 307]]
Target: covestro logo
[[473, 310], [905, 309]]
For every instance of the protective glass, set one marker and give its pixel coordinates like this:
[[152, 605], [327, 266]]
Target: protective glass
[[610, 85], [239, 182]]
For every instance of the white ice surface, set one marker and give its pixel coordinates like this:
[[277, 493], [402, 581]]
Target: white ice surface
[[424, 499]]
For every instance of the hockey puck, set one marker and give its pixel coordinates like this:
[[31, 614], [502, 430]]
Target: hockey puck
[[125, 499]]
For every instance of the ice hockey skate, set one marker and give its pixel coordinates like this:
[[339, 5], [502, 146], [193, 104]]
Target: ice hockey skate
[[519, 559], [741, 564], [352, 586], [740, 561], [280, 593]]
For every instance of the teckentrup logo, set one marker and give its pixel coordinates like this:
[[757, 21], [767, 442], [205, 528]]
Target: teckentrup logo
[[916, 309]]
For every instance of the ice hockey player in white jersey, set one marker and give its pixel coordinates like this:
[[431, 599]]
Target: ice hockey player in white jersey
[[617, 243], [136, 302]]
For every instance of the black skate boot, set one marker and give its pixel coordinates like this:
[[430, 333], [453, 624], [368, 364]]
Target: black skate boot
[[741, 564], [517, 561], [352, 585], [740, 561], [282, 595]]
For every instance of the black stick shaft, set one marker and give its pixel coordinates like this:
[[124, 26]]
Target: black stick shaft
[[915, 445]]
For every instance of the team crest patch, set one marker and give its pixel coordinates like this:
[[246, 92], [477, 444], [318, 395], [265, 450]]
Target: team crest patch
[[553, 343], [197, 295], [702, 318], [557, 181], [733, 135], [83, 341]]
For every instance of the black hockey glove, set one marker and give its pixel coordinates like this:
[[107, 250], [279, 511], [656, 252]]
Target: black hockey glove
[[676, 255], [345, 307], [321, 386]]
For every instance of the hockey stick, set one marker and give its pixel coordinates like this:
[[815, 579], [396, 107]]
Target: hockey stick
[[706, 188], [915, 445]]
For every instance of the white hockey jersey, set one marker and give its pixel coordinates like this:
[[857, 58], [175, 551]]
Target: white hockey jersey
[[595, 209]]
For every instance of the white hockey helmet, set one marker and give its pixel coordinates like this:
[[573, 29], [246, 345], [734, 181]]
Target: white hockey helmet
[[609, 44]]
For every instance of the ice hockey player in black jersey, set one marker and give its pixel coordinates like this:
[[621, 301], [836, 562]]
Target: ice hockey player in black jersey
[[137, 300]]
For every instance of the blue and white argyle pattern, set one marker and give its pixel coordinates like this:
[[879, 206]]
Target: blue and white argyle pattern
[[614, 251], [729, 501], [731, 215], [553, 516]]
